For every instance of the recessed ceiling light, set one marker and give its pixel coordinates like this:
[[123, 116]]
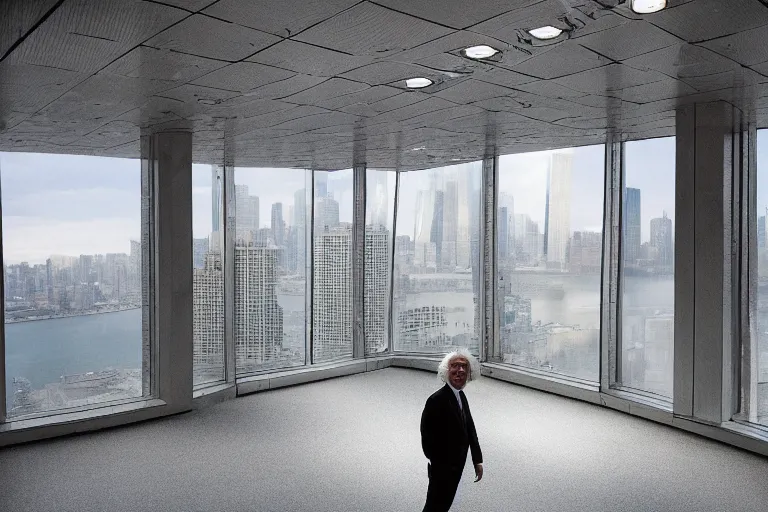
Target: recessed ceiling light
[[480, 52], [548, 32], [418, 83], [648, 6]]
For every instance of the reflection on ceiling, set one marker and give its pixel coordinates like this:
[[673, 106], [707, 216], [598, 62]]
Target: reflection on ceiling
[[310, 83]]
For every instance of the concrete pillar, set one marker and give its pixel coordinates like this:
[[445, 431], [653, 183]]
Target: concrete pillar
[[170, 167], [706, 261]]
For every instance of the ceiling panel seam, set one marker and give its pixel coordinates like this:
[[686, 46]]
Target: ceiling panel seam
[[169, 5], [32, 29], [291, 36], [412, 16]]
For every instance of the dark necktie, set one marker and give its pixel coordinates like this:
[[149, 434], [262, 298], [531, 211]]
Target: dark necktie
[[461, 409]]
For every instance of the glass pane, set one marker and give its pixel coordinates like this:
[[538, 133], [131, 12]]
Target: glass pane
[[437, 260], [647, 264], [332, 287], [208, 273], [762, 278], [270, 278], [549, 247], [72, 234], [379, 210]]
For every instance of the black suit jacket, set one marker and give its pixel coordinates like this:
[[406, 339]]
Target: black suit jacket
[[444, 437]]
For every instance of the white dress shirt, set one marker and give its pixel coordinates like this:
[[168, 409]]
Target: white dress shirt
[[456, 394]]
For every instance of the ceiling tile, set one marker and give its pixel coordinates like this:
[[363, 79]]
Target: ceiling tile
[[369, 29], [28, 88], [86, 35], [285, 88], [195, 95], [628, 40], [384, 72], [503, 77], [549, 89], [326, 90], [452, 42], [455, 13], [308, 59], [707, 19], [17, 17], [278, 17], [656, 91], [416, 109], [746, 47], [212, 38], [367, 96], [157, 64], [683, 60], [609, 78], [243, 77], [470, 91], [567, 59]]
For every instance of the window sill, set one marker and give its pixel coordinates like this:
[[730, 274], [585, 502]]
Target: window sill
[[70, 418]]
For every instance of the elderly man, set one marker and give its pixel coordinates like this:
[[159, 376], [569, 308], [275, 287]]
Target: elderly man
[[447, 431]]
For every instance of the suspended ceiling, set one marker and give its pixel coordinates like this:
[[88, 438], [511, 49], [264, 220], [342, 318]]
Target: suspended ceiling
[[316, 83]]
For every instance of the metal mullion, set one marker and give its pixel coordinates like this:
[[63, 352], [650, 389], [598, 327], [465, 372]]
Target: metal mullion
[[390, 342], [488, 214], [309, 356], [3, 404], [358, 260], [229, 215], [749, 276], [611, 271]]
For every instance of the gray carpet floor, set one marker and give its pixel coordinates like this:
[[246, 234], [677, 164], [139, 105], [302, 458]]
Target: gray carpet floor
[[352, 444]]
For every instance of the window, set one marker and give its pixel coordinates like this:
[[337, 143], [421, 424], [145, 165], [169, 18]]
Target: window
[[437, 275], [208, 273], [332, 280], [73, 245], [379, 210], [270, 268], [647, 286], [549, 247], [761, 357]]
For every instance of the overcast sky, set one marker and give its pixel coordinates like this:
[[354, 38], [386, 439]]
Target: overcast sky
[[72, 205]]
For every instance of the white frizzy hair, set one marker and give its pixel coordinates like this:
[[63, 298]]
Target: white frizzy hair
[[474, 365]]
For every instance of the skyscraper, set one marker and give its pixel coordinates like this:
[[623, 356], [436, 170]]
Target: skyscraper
[[376, 296], [326, 214], [299, 231], [631, 226], [661, 239], [332, 294], [217, 197], [558, 218], [377, 198], [436, 231], [450, 224], [246, 213], [208, 312], [278, 225], [503, 220], [258, 316]]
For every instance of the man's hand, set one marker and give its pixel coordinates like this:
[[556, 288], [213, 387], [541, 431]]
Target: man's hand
[[478, 472]]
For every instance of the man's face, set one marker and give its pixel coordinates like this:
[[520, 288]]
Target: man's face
[[458, 372]]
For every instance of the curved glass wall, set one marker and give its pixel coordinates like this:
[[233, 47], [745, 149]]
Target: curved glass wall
[[549, 248], [760, 345], [270, 280], [379, 219], [74, 239], [437, 274], [647, 282], [208, 274], [332, 266]]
